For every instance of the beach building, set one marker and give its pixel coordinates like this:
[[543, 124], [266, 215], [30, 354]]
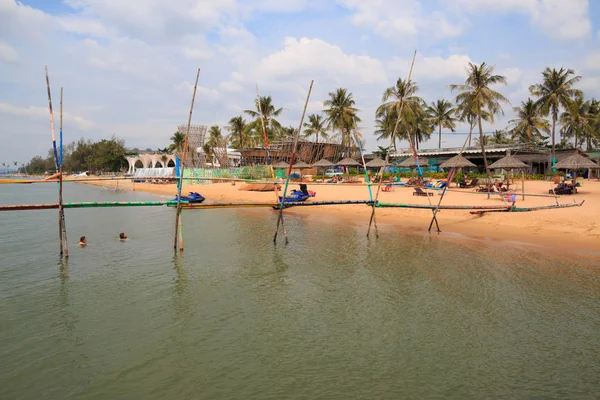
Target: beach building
[[537, 158]]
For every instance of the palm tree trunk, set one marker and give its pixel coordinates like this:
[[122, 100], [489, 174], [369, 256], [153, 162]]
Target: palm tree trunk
[[553, 137], [470, 133], [440, 137], [481, 140]]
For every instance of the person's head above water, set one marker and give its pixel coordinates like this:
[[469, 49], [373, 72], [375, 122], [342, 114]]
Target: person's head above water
[[83, 241], [122, 236]]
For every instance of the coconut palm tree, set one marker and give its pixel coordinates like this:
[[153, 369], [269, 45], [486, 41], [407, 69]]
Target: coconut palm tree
[[385, 123], [477, 96], [178, 140], [342, 115], [593, 114], [483, 140], [442, 113], [499, 137], [575, 120], [266, 109], [317, 126], [403, 97], [529, 125], [555, 91], [216, 146], [239, 132]]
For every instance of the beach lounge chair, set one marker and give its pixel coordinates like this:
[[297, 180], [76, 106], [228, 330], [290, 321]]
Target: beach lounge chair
[[419, 192]]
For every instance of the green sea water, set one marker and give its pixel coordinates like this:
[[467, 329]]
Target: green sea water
[[332, 315]]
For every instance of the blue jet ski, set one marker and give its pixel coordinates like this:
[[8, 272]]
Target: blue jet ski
[[192, 197], [297, 196]]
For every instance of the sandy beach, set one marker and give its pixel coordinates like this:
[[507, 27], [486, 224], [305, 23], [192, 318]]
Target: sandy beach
[[568, 229]]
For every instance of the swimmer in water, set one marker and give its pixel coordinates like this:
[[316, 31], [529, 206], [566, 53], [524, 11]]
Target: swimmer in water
[[82, 241], [123, 236]]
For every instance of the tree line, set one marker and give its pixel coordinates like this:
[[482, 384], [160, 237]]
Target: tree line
[[404, 115], [106, 155]]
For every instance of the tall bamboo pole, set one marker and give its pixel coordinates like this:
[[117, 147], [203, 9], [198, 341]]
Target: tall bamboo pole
[[56, 160], [61, 211], [178, 222], [289, 172], [387, 155], [269, 160]]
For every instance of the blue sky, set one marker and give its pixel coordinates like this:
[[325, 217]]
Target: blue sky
[[127, 67]]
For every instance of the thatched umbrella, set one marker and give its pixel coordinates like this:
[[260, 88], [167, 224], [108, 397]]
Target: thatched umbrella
[[575, 162], [348, 162], [281, 165], [300, 165], [323, 163], [457, 162], [376, 163], [510, 162], [410, 162]]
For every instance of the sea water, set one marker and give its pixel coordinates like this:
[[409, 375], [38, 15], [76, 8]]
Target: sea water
[[331, 315]]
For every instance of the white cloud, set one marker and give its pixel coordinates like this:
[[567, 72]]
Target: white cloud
[[35, 112], [592, 60], [398, 19], [559, 19], [315, 57], [432, 68], [128, 56], [231, 86], [7, 53]]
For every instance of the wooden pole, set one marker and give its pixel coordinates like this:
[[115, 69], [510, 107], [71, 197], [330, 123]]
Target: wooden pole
[[387, 156], [270, 161], [287, 181], [523, 184], [178, 222], [61, 212]]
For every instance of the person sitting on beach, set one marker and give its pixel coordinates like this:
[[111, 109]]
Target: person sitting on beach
[[122, 236], [82, 241]]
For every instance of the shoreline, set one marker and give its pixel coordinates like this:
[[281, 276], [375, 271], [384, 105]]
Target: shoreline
[[573, 230]]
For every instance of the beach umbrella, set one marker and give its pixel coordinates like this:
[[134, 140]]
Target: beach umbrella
[[510, 162], [281, 165], [576, 161], [348, 162], [457, 162], [376, 163], [410, 162], [300, 165], [323, 163]]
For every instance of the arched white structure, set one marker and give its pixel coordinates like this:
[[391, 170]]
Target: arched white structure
[[150, 161]]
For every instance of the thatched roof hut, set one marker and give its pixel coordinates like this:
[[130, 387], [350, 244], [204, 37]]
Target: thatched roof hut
[[377, 163], [410, 162]]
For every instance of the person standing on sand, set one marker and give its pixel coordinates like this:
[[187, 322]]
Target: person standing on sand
[[82, 241]]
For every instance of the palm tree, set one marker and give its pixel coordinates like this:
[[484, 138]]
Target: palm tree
[[499, 137], [178, 140], [385, 123], [575, 120], [593, 114], [529, 125], [401, 96], [482, 140], [342, 115], [264, 107], [215, 146], [441, 113], [317, 126], [477, 96], [239, 130], [555, 91]]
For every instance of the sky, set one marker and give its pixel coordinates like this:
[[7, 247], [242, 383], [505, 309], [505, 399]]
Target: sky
[[128, 67]]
